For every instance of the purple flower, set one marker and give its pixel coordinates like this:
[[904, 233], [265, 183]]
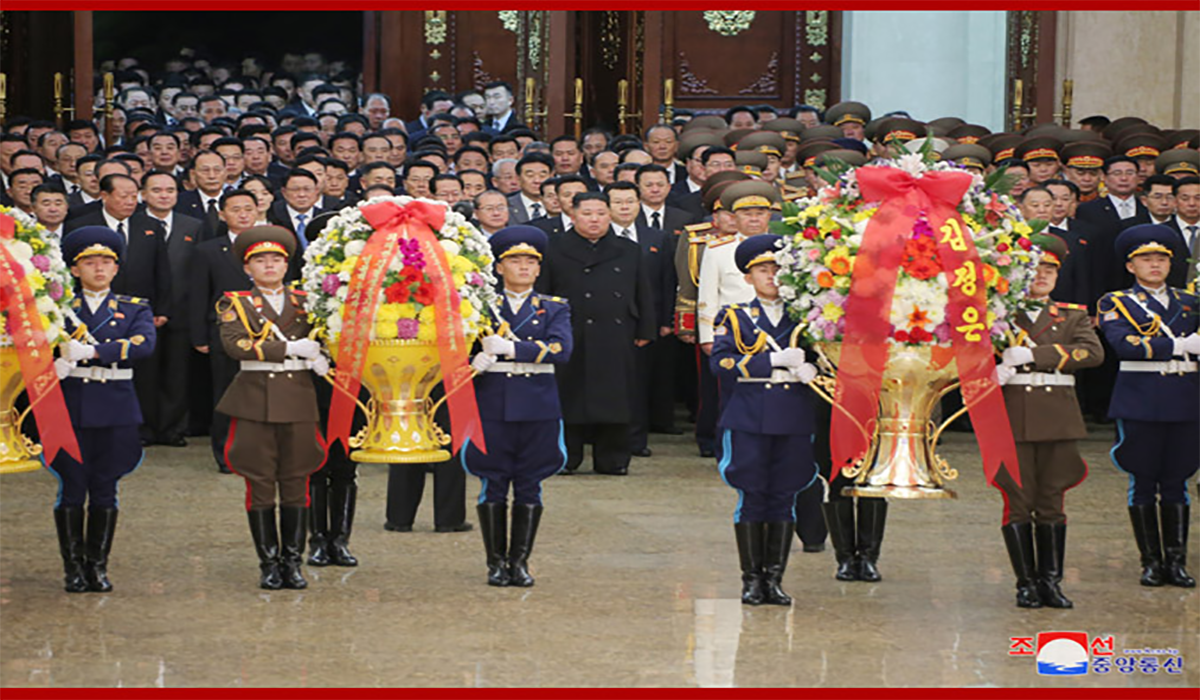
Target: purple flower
[[476, 279], [406, 328], [55, 290], [942, 332], [831, 332], [922, 228], [41, 262], [330, 284]]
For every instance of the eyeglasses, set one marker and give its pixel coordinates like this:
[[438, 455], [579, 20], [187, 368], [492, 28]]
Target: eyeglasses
[[492, 207]]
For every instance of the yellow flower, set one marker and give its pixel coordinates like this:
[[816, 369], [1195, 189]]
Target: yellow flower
[[427, 333], [427, 315], [406, 310], [462, 264], [1021, 228], [45, 321], [388, 313], [839, 261], [36, 281], [460, 280], [812, 211], [975, 225], [832, 312], [386, 330], [465, 309], [827, 225], [862, 215], [37, 244], [348, 264]]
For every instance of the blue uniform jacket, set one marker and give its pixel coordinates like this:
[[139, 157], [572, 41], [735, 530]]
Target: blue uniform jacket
[[543, 327], [123, 328], [1135, 336], [766, 408]]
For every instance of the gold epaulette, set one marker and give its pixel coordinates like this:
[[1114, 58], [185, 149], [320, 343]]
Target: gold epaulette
[[721, 240], [1065, 305], [132, 300], [547, 297], [237, 294], [697, 228]]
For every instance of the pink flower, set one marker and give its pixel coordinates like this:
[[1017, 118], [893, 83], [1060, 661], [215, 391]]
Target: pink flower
[[406, 328], [942, 332], [831, 332], [476, 279], [55, 290], [330, 284], [814, 254], [41, 262], [1004, 260]]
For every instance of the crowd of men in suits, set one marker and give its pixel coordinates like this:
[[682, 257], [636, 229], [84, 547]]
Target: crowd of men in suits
[[188, 145]]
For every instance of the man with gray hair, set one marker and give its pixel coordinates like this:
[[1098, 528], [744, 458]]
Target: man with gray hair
[[504, 176], [378, 108]]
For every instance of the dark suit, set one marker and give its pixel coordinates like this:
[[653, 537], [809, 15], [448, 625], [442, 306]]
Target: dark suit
[[654, 396], [673, 221], [1179, 261], [1075, 276], [213, 271], [165, 403], [690, 202], [145, 271], [278, 215], [1108, 273], [552, 225], [509, 124], [191, 203], [516, 210], [608, 286]]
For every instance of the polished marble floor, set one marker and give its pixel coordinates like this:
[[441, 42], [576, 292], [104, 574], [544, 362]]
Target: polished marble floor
[[637, 586]]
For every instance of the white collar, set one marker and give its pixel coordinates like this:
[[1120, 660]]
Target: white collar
[[769, 303], [292, 213], [525, 200], [648, 210], [87, 293], [113, 223], [272, 293], [1183, 225]]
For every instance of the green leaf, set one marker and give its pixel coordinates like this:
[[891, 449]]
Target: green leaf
[[780, 228], [790, 209], [1001, 181]]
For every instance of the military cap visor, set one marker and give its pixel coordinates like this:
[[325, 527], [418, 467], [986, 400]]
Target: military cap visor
[[264, 239]]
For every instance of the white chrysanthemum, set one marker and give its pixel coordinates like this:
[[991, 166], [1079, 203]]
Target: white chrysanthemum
[[354, 248]]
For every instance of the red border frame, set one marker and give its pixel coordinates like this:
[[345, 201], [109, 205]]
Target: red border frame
[[309, 5]]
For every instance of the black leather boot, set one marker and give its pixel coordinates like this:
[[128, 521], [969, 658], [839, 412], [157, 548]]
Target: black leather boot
[[318, 521], [872, 517], [342, 501], [1174, 534], [751, 552], [1018, 538], [101, 525], [69, 523], [1145, 532], [1051, 550], [291, 540], [775, 558], [266, 545], [493, 524], [525, 519], [839, 518]]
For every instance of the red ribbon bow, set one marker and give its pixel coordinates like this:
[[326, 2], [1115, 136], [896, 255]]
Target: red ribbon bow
[[864, 355], [34, 353], [418, 221]]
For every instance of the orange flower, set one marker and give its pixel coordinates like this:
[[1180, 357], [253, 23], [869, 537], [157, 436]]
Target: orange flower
[[918, 318], [989, 274], [1002, 285], [825, 279], [839, 265]]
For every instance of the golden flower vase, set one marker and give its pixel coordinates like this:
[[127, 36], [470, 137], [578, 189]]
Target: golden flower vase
[[17, 452], [902, 460], [400, 374]]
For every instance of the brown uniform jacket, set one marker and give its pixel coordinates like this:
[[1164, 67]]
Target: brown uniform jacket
[[689, 251], [265, 396], [1062, 340]]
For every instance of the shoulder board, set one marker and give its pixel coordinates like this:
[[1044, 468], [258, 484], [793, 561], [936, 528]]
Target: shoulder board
[[733, 307], [716, 242], [697, 228], [299, 292], [1065, 305], [132, 300], [1116, 295], [547, 297], [237, 294]]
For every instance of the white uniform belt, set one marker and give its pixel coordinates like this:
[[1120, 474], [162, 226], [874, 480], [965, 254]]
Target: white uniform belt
[[287, 365], [778, 376], [101, 374], [522, 368], [1043, 379], [1172, 367]]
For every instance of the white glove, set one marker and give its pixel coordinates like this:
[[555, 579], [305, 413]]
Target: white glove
[[792, 358], [74, 351], [1004, 374], [495, 345], [319, 364], [805, 373], [307, 349], [1190, 345], [63, 368], [1017, 356], [483, 362]]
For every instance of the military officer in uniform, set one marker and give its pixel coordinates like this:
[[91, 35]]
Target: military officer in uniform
[[518, 404], [274, 442], [96, 369], [1050, 344], [767, 422], [1156, 401]]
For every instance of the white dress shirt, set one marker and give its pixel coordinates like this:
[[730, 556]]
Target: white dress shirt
[[94, 299], [516, 299], [773, 308], [629, 231], [1125, 207], [274, 297], [118, 225], [529, 203], [649, 213]]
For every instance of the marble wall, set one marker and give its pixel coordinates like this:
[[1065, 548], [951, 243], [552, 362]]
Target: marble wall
[[1144, 64], [930, 64]]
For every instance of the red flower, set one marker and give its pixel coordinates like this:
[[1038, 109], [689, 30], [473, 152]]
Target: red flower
[[1002, 248], [901, 336], [811, 233], [424, 294], [921, 259], [1025, 243], [920, 335], [411, 275], [836, 234], [397, 293]]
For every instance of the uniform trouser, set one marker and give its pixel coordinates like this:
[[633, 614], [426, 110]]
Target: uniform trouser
[[108, 454], [639, 397], [708, 399], [520, 455], [406, 487], [610, 445], [1048, 470], [662, 382], [1098, 382], [767, 471], [200, 381], [224, 369], [686, 376], [1159, 457], [274, 455], [339, 469], [810, 521], [161, 381]]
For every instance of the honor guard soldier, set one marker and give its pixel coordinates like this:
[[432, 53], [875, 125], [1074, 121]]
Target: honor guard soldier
[[96, 369], [767, 423], [1082, 164], [1178, 162], [1051, 344], [274, 442], [1156, 400], [518, 404]]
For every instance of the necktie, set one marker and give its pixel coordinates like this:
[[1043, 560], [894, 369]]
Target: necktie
[[212, 207], [656, 220], [300, 230], [166, 224], [121, 230], [1195, 243], [537, 211]]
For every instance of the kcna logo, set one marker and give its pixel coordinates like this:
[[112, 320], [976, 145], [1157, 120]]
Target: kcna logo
[[1060, 653]]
